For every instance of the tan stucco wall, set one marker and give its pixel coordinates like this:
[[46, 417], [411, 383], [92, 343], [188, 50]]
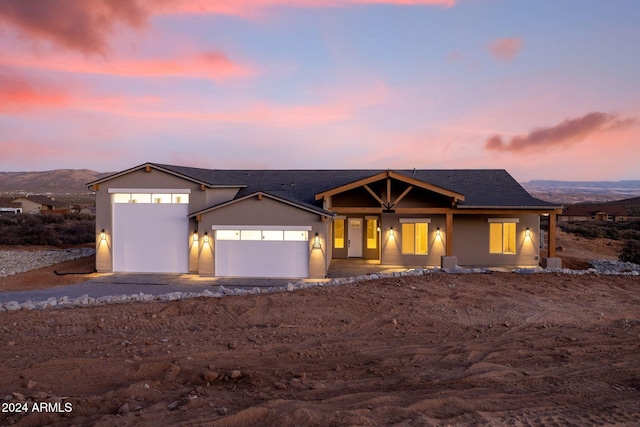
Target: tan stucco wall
[[265, 212], [392, 246], [471, 241]]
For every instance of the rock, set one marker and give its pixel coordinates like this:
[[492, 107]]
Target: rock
[[236, 374], [232, 345], [124, 409], [31, 384], [210, 376]]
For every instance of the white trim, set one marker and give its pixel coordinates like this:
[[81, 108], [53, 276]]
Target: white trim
[[414, 220], [149, 190], [263, 227], [516, 220]]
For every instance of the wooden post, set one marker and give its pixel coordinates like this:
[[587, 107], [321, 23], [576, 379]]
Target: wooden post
[[449, 236], [551, 245]]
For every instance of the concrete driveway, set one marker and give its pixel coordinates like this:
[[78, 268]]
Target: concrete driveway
[[116, 284]]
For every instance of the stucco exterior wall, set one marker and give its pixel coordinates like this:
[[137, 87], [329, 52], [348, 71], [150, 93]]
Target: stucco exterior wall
[[392, 245], [471, 241], [266, 212]]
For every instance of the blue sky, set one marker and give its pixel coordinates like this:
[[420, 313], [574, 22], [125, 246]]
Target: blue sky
[[545, 89]]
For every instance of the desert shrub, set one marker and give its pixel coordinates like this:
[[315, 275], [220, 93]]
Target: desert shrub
[[46, 229], [631, 252]]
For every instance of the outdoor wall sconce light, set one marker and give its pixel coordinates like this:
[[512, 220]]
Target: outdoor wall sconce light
[[103, 235], [438, 232], [391, 235], [316, 242], [527, 232], [195, 235], [206, 237]]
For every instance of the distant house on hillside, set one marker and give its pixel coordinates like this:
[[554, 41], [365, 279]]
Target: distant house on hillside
[[39, 204], [8, 206], [593, 212]]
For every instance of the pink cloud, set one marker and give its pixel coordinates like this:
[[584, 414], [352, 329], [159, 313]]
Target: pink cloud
[[20, 94], [78, 25], [562, 135], [505, 49], [209, 65], [248, 7]]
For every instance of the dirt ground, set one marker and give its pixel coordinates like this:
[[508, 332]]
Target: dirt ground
[[437, 350]]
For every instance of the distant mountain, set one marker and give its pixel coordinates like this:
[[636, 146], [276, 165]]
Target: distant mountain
[[567, 192], [59, 181]]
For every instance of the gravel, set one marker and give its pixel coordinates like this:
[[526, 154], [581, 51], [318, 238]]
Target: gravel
[[13, 262], [19, 261]]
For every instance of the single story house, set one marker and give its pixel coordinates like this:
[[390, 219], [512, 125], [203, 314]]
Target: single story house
[[293, 223], [593, 212], [40, 203]]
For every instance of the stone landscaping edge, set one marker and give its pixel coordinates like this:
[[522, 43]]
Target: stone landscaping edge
[[599, 267]]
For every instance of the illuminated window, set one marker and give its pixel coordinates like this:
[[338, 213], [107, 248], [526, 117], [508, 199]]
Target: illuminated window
[[372, 234], [296, 236], [502, 238], [161, 198], [250, 235], [338, 233], [175, 198], [414, 238], [272, 235], [228, 234]]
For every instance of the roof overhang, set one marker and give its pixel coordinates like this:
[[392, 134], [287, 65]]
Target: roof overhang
[[149, 166], [395, 175], [261, 194]]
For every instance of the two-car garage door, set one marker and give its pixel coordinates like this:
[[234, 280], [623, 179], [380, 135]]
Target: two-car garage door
[[281, 252]]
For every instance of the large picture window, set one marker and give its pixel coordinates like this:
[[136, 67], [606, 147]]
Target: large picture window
[[415, 238], [502, 237]]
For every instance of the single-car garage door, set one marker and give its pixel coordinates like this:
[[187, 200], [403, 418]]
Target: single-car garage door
[[277, 252], [150, 233]]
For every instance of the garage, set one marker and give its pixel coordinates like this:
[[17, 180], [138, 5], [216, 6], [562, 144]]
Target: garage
[[150, 232], [262, 251]]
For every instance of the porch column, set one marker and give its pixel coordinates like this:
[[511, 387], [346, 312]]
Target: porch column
[[551, 244], [449, 235], [551, 261], [449, 261]]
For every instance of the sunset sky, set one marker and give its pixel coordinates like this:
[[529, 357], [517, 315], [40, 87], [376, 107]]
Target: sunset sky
[[546, 89]]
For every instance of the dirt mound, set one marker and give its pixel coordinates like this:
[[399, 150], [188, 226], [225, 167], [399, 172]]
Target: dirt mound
[[472, 349]]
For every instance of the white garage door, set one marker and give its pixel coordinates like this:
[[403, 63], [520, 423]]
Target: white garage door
[[266, 252], [150, 237]]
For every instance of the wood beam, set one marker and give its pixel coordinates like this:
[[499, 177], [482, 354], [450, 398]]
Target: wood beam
[[375, 196], [551, 252], [400, 197], [449, 235], [349, 210], [388, 191], [352, 185]]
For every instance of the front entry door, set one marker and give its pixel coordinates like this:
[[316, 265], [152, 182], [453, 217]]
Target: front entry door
[[355, 238]]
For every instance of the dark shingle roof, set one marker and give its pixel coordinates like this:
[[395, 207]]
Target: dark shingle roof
[[481, 187]]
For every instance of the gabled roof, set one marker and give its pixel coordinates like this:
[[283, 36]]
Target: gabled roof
[[304, 206], [472, 188]]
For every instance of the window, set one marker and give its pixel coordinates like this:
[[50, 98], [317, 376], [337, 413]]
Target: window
[[502, 238], [414, 238], [338, 233], [150, 198], [372, 233], [271, 235]]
